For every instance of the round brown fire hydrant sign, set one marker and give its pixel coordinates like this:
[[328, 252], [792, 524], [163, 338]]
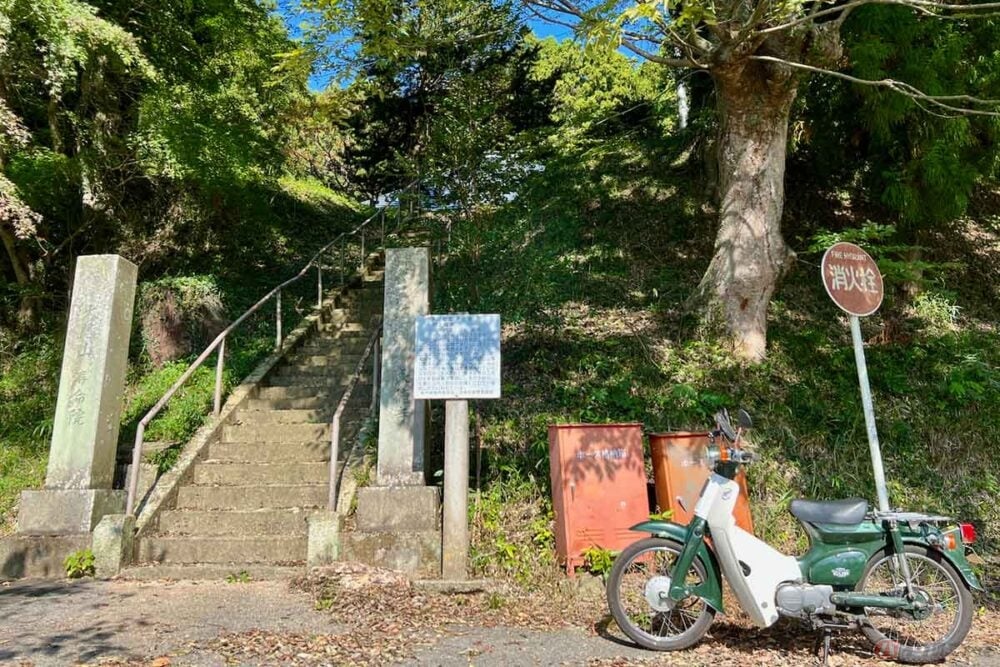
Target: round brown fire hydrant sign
[[852, 279]]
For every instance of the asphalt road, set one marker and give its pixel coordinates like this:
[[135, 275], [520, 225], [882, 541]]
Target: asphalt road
[[175, 623]]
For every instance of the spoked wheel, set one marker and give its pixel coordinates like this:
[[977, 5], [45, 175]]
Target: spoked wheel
[[637, 590], [922, 636]]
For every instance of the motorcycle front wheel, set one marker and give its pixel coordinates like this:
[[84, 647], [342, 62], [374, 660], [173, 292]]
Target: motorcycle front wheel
[[640, 573], [916, 637]]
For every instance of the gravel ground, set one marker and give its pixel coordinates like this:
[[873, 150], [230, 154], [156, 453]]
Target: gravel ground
[[63, 623], [378, 621]]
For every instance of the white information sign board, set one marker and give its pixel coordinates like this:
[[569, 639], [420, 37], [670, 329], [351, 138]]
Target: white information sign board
[[457, 357]]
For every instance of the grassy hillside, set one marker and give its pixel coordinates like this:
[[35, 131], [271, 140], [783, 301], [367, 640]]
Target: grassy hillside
[[261, 236], [590, 267]]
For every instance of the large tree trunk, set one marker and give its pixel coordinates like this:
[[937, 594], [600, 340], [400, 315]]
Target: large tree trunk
[[750, 257], [28, 311]]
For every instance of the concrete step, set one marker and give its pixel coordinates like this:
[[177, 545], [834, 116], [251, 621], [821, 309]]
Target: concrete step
[[269, 496], [227, 522], [285, 416], [354, 334], [319, 345], [276, 432], [222, 473], [334, 336], [415, 552], [362, 330], [303, 416], [307, 403], [216, 572], [222, 549], [335, 359], [272, 452], [308, 381], [354, 327], [281, 393], [336, 371]]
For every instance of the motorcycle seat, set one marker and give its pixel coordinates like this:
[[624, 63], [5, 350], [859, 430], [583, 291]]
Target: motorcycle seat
[[848, 512]]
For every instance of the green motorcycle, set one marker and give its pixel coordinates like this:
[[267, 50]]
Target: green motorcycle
[[901, 578]]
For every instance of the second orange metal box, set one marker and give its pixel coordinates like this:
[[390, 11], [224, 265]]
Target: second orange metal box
[[679, 472], [598, 487]]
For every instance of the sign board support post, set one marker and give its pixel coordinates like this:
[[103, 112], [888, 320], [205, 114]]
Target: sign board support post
[[455, 520], [457, 359], [869, 409]]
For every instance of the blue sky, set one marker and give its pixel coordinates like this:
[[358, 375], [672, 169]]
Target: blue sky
[[291, 12]]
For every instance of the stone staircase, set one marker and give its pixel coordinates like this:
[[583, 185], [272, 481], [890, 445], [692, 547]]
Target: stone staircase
[[244, 505]]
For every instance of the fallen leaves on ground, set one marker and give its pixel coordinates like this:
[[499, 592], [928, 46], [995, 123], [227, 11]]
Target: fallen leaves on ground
[[388, 620]]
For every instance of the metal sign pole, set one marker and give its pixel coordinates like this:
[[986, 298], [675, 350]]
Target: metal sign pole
[[869, 409]]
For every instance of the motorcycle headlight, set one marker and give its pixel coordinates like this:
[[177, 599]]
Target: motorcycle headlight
[[712, 455]]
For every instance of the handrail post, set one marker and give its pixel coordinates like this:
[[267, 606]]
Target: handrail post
[[319, 289], [362, 268], [219, 366], [278, 337], [382, 216], [343, 259], [376, 368], [133, 480], [331, 502]]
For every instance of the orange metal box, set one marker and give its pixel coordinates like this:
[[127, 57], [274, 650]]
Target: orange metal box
[[679, 472], [598, 487]]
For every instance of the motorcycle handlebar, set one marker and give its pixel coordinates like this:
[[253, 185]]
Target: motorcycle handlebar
[[742, 456], [716, 455]]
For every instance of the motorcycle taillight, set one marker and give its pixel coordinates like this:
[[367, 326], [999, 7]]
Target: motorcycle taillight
[[968, 532]]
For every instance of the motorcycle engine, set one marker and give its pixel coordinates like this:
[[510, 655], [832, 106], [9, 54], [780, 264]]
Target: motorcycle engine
[[804, 600]]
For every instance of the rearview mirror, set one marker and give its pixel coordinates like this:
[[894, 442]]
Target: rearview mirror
[[743, 419]]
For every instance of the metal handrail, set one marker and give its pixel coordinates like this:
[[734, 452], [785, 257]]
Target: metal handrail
[[220, 341], [342, 405]]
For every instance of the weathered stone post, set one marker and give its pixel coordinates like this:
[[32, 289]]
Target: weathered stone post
[[401, 417], [78, 482], [399, 519]]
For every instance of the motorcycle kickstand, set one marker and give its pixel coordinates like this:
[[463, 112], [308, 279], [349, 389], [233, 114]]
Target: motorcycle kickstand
[[823, 636]]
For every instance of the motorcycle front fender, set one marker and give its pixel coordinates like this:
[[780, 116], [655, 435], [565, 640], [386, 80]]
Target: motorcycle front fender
[[711, 589]]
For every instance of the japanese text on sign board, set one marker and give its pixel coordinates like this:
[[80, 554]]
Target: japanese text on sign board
[[457, 356], [849, 277], [605, 454], [852, 279]]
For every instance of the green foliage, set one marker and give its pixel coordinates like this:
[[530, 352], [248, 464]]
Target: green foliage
[[601, 93], [241, 577], [898, 262], [436, 92], [165, 458], [79, 564], [598, 560], [919, 161], [142, 130], [28, 374]]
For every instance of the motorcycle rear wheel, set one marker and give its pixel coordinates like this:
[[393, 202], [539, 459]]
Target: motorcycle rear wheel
[[907, 638], [667, 630]]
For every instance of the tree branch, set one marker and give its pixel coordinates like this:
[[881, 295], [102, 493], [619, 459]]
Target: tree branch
[[929, 7], [897, 86], [568, 8]]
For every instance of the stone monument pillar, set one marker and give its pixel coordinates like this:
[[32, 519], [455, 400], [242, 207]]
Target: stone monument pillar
[[401, 417], [77, 490], [398, 521]]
